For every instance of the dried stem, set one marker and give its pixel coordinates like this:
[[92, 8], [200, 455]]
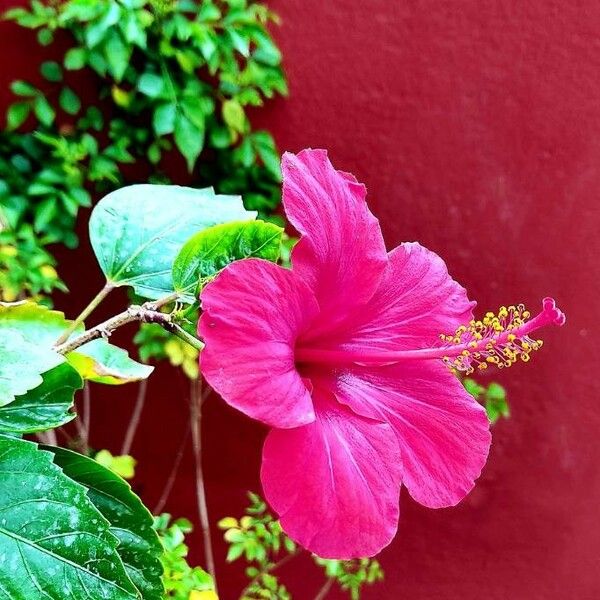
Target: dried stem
[[325, 589], [87, 416], [172, 475], [196, 427], [135, 417], [85, 313]]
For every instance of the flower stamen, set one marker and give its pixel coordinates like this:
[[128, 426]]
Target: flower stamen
[[499, 340]]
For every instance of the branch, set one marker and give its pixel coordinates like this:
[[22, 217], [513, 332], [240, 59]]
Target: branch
[[325, 589], [196, 427], [146, 313], [172, 475], [135, 417], [85, 313]]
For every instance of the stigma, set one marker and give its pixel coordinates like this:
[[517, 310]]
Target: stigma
[[499, 340]]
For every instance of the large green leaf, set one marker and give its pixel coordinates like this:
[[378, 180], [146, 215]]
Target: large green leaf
[[137, 231], [130, 521], [97, 361], [44, 407], [22, 364], [54, 543], [207, 252]]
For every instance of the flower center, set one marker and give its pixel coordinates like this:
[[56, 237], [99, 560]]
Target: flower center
[[499, 340]]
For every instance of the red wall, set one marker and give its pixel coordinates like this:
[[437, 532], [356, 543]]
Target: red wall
[[476, 126]]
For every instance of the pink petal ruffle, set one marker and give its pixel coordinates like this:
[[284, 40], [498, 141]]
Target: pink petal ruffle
[[341, 253], [443, 433], [335, 483], [252, 314]]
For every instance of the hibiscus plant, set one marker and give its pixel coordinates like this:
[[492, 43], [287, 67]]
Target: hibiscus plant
[[350, 356]]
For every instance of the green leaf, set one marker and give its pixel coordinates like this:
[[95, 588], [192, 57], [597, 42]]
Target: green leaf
[[137, 231], [51, 71], [45, 37], [69, 101], [75, 59], [234, 115], [209, 251], [22, 88], [44, 407], [265, 146], [496, 405], [22, 364], [17, 114], [43, 111], [163, 119], [123, 466], [102, 362], [473, 387], [36, 323], [117, 55], [151, 84], [53, 540], [130, 521], [189, 138]]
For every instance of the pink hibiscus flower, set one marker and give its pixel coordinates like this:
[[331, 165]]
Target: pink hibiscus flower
[[342, 357]]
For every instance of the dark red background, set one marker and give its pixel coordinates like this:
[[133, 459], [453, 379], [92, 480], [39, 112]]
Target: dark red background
[[476, 126]]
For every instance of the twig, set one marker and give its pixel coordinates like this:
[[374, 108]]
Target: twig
[[146, 313], [135, 417], [269, 569], [52, 438], [325, 589], [85, 313], [196, 426], [172, 475], [87, 416]]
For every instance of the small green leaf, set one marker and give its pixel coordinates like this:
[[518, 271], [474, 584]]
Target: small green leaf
[[137, 231], [43, 111], [209, 251], [163, 119], [51, 71], [234, 115], [102, 362], [17, 115], [45, 407], [473, 387], [123, 466], [56, 541], [151, 84], [69, 101], [496, 405], [45, 36], [75, 59], [130, 522], [117, 55], [189, 138], [22, 88]]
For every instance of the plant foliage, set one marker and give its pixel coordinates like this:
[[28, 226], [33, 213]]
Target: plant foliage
[[131, 81]]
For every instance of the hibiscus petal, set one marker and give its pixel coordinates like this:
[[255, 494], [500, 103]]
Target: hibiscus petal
[[341, 253], [442, 431], [252, 314], [335, 483], [415, 302]]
